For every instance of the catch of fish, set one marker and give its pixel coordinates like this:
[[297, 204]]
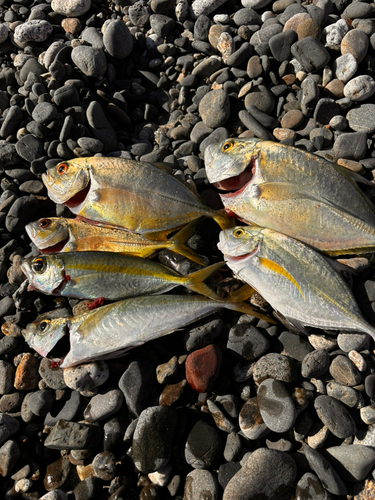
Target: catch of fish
[[297, 205]]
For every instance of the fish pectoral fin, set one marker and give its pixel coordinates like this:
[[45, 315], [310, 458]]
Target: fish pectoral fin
[[276, 268], [243, 293], [177, 242]]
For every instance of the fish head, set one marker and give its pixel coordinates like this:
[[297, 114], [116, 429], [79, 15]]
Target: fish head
[[43, 334], [50, 235], [232, 164], [241, 242], [68, 182], [45, 273]]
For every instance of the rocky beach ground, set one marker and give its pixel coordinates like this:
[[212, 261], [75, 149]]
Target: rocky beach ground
[[232, 407]]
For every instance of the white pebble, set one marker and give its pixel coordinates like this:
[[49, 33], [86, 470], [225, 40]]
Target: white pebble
[[267, 15], [4, 30], [161, 476], [71, 8], [23, 485], [334, 33], [87, 376], [358, 360], [344, 67], [360, 88], [182, 10], [205, 7]]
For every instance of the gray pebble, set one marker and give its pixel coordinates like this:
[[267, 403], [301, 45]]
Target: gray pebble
[[117, 39], [9, 455], [328, 476], [91, 61], [352, 146], [33, 31], [360, 88], [71, 436], [201, 483], [233, 447], [362, 119], [41, 402], [251, 422], [254, 126], [353, 462], [368, 415], [310, 488], [29, 148], [8, 427], [66, 410], [12, 118], [352, 341], [44, 112], [203, 446], [220, 419], [207, 67], [294, 346], [103, 406], [86, 377], [275, 366], [263, 475], [261, 98], [214, 108], [310, 53], [137, 384], [6, 377], [335, 416], [347, 395], [247, 341], [345, 67], [205, 7], [276, 405], [344, 371], [315, 364]]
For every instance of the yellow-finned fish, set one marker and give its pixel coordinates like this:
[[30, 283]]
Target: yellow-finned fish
[[138, 196], [111, 276], [296, 280], [109, 331], [294, 192], [56, 234]]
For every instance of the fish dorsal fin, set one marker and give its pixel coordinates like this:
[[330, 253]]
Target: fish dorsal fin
[[276, 268]]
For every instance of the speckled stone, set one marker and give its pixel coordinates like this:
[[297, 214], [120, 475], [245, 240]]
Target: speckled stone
[[71, 8], [27, 377], [86, 377], [335, 416], [360, 88]]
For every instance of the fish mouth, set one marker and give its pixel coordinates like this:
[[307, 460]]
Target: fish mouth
[[61, 348], [236, 258], [238, 183], [79, 197], [54, 248]]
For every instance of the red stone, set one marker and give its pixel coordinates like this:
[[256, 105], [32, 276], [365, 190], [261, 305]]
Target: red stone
[[202, 367]]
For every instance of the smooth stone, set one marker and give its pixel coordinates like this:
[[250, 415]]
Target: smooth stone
[[315, 364], [205, 7], [8, 427], [206, 332], [251, 422], [247, 341], [29, 148], [33, 31], [310, 53], [368, 415], [353, 462], [327, 475], [71, 8], [153, 438], [325, 110], [261, 98], [294, 346], [355, 42], [201, 483], [137, 384], [276, 406], [104, 465], [44, 112], [344, 371], [281, 44], [103, 405], [352, 146], [310, 488], [9, 456], [202, 367], [207, 67], [370, 385], [360, 88], [11, 122], [203, 446], [277, 366], [117, 39], [246, 16], [265, 474], [357, 10], [233, 447], [91, 61], [362, 119], [65, 409], [222, 422], [71, 436], [86, 377], [214, 108], [254, 126], [7, 372], [66, 96], [345, 67], [41, 402], [335, 416], [346, 395]]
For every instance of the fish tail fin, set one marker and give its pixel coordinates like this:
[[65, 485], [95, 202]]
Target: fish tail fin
[[223, 219], [194, 281], [248, 309], [370, 330], [243, 293], [177, 242]]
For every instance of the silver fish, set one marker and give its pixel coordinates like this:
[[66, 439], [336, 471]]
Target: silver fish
[[295, 279], [109, 331]]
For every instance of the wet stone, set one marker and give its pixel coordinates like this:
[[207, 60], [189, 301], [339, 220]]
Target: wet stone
[[103, 406], [276, 406], [251, 422], [201, 483], [203, 446], [154, 438], [335, 416], [263, 474], [137, 384], [104, 465], [247, 341], [344, 371], [86, 377], [315, 364]]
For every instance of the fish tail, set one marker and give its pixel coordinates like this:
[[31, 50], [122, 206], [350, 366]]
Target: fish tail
[[177, 242], [247, 309], [194, 281], [243, 293], [370, 330], [223, 219]]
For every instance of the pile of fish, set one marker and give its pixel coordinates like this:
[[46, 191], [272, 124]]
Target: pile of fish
[[125, 211], [297, 210], [298, 204]]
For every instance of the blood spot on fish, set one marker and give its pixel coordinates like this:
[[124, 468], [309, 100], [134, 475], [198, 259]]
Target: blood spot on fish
[[230, 213], [96, 303]]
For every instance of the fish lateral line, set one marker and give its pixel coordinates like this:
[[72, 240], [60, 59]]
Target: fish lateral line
[[273, 266]]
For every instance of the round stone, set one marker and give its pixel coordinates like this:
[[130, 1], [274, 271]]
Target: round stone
[[362, 119], [335, 416], [86, 377], [33, 31], [355, 42], [345, 67], [91, 61], [117, 39], [214, 108], [276, 405], [71, 8], [360, 88]]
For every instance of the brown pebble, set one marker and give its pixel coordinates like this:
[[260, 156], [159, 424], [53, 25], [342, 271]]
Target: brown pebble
[[294, 22], [15, 274], [292, 119], [368, 491], [214, 34], [335, 88], [56, 474], [84, 471], [11, 329], [355, 166], [172, 393], [71, 25], [308, 27], [283, 133], [27, 376], [289, 79], [254, 67]]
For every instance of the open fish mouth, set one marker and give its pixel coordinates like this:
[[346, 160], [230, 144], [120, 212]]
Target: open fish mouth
[[237, 183], [54, 248], [240, 257], [79, 197]]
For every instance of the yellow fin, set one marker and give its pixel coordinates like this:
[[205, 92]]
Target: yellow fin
[[223, 219], [177, 242], [273, 266], [194, 281], [243, 293], [248, 309]]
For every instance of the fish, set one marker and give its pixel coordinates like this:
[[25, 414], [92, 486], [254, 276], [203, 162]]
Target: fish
[[107, 275], [58, 234], [294, 192], [138, 196], [110, 331], [296, 280]]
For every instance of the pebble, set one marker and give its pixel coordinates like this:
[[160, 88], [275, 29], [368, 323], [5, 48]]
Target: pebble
[[276, 406], [71, 8], [117, 40], [353, 462], [352, 146], [71, 436], [310, 53], [360, 88], [328, 476], [199, 483], [69, 410], [90, 60], [202, 367], [247, 341], [137, 383], [309, 487], [203, 446], [355, 42], [32, 31], [275, 366], [214, 108], [292, 119], [346, 395], [362, 119], [345, 67], [335, 416], [86, 377], [26, 377], [263, 474], [103, 406]]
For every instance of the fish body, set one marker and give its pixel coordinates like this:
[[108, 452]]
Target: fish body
[[294, 192], [295, 279], [111, 276], [57, 234], [138, 196], [109, 331]]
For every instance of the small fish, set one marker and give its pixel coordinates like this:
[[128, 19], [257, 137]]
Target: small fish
[[56, 234], [294, 192], [112, 276], [296, 280], [109, 331], [138, 196]]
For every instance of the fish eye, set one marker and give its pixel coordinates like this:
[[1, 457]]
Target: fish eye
[[62, 168], [39, 265], [227, 146], [44, 223], [44, 324], [238, 233]]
